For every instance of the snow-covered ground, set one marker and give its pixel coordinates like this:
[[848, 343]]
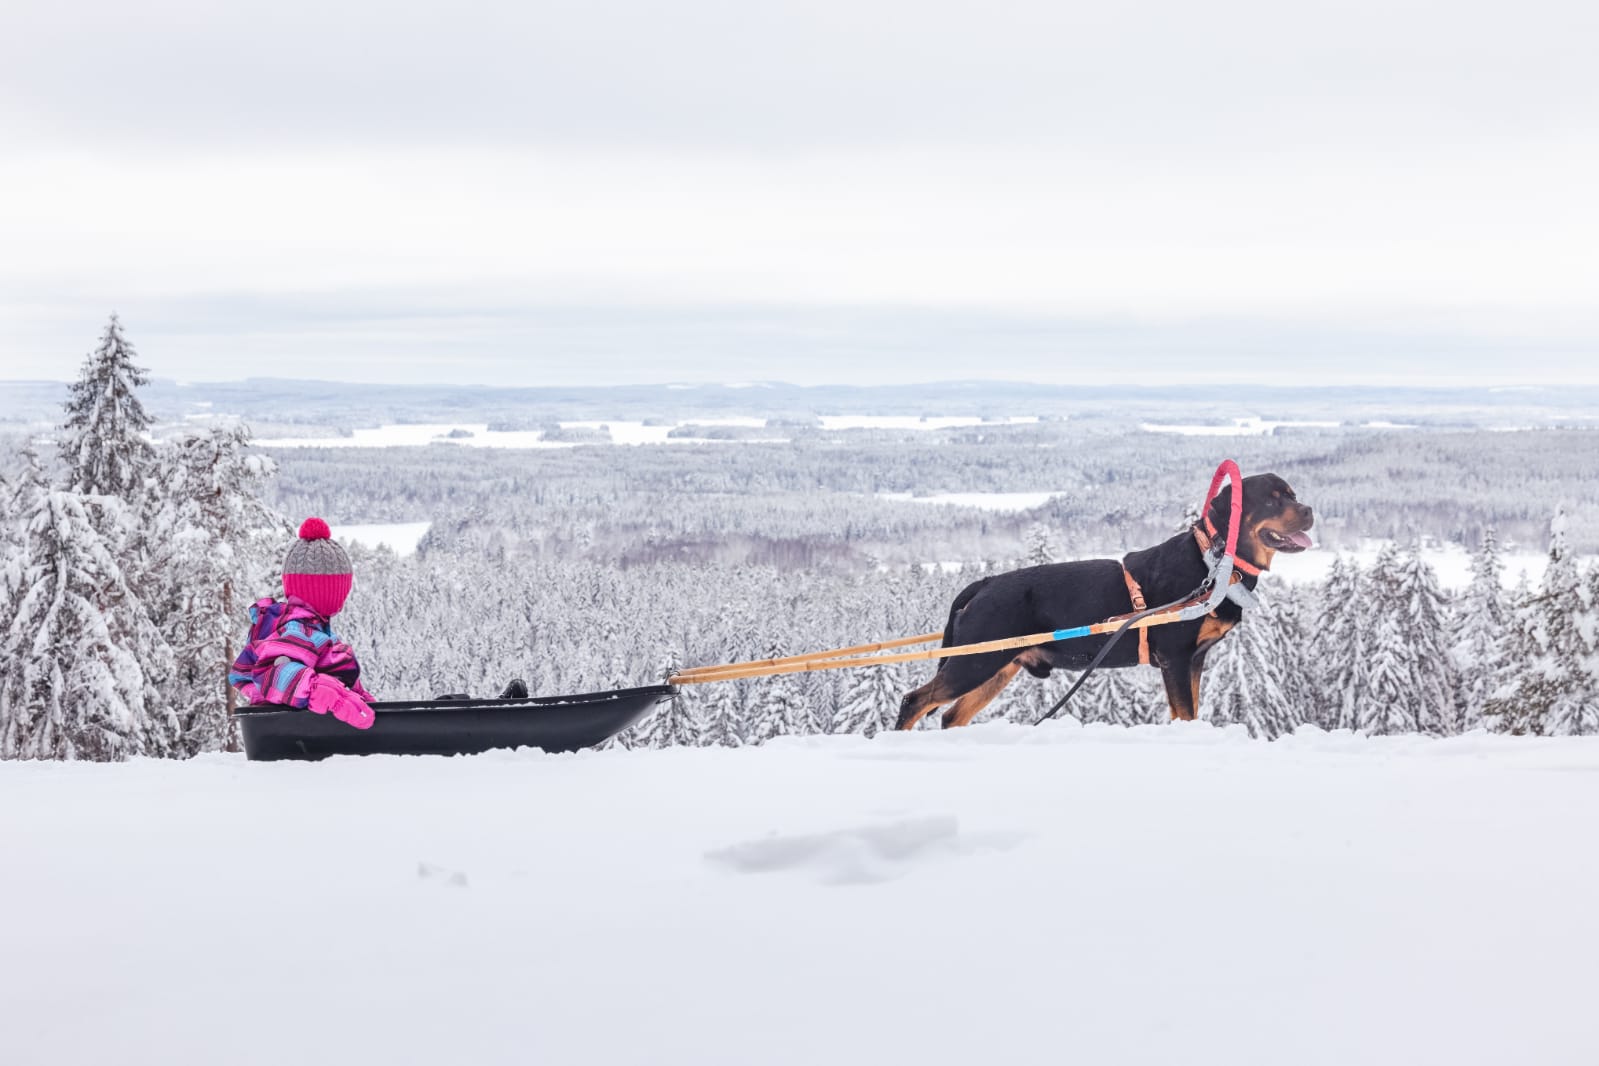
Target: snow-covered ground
[[1172, 894]]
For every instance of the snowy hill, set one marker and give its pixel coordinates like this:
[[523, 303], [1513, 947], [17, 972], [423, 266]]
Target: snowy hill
[[996, 895]]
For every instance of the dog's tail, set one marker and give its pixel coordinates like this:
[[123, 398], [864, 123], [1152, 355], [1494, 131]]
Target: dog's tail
[[955, 609]]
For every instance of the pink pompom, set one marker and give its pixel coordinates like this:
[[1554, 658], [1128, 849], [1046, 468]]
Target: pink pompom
[[314, 529]]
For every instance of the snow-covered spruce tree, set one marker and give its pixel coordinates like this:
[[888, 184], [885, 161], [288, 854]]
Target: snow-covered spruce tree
[[1481, 632], [1555, 686], [102, 439], [213, 548], [673, 724], [1040, 546], [21, 491], [1408, 684], [870, 703], [724, 719], [777, 709], [1424, 608], [81, 656], [20, 494], [1248, 676], [1337, 653], [1294, 616], [1116, 697], [1580, 716]]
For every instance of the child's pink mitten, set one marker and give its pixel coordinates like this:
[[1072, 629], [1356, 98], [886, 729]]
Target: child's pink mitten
[[329, 696]]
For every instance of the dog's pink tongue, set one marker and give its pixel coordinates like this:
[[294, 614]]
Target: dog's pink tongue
[[1300, 540]]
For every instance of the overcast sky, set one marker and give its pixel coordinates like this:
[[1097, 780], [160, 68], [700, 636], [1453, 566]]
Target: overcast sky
[[585, 192]]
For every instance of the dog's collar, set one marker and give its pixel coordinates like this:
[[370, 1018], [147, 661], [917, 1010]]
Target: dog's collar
[[1205, 534]]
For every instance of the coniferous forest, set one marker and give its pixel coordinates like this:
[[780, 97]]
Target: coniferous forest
[[132, 547]]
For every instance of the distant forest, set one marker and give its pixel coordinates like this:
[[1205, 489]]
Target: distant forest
[[816, 502], [602, 565]]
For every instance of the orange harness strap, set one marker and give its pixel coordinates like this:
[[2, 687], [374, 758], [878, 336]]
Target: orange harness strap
[[1136, 591], [1207, 534]]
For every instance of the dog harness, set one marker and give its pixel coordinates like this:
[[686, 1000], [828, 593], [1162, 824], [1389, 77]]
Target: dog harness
[[1205, 534], [1136, 591]]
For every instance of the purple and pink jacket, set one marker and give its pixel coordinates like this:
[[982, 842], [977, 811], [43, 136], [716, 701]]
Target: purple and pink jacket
[[290, 644]]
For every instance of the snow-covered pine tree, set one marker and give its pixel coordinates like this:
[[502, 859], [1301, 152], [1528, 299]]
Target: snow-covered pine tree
[[870, 704], [724, 718], [1294, 615], [1385, 697], [674, 723], [1115, 697], [22, 492], [1579, 716], [212, 552], [1337, 653], [777, 710], [1481, 632], [81, 656], [1555, 687], [1040, 546], [1244, 681], [102, 439], [1435, 683]]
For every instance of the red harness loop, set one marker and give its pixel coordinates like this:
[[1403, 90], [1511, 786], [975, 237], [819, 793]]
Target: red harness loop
[[1205, 529]]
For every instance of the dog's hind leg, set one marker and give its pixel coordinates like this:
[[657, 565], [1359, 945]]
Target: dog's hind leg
[[956, 676], [971, 705], [919, 701]]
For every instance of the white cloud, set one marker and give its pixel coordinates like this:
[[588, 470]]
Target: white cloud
[[1390, 171]]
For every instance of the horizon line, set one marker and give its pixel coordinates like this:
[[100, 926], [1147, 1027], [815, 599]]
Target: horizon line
[[1511, 386]]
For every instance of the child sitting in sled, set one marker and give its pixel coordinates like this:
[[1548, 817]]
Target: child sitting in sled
[[293, 657]]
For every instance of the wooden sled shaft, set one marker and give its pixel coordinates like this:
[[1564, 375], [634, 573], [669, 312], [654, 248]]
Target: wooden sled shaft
[[836, 653], [740, 671]]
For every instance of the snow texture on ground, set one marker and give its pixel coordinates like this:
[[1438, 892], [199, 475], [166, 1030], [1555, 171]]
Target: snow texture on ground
[[993, 895]]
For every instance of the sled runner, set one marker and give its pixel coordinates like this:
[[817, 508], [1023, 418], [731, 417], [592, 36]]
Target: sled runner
[[449, 727]]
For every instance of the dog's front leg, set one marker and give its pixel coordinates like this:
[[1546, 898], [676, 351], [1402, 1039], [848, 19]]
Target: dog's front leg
[[1181, 675], [1196, 667]]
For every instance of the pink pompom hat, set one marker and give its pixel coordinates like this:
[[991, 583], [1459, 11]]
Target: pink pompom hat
[[316, 570]]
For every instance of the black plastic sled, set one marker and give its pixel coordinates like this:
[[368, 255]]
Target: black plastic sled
[[449, 727]]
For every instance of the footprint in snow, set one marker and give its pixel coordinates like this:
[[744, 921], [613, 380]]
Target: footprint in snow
[[426, 871], [864, 855]]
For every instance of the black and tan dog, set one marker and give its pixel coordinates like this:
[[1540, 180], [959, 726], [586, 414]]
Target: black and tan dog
[[1039, 599]]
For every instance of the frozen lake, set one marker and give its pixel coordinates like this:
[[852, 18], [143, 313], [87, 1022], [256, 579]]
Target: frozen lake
[[478, 434], [399, 537]]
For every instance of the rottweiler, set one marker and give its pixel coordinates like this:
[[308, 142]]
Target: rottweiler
[[1038, 599]]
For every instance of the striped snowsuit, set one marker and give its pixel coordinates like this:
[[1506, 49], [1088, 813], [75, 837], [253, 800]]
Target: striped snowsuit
[[289, 643]]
